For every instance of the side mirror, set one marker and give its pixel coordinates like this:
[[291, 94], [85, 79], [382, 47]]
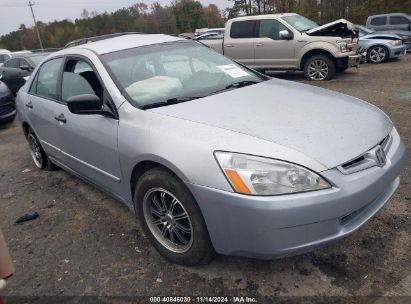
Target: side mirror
[[25, 68], [284, 35], [85, 104], [89, 104]]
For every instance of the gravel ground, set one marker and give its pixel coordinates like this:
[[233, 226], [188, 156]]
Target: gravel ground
[[85, 243]]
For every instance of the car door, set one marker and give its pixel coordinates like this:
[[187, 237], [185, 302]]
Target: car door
[[89, 141], [269, 49], [42, 105], [239, 44]]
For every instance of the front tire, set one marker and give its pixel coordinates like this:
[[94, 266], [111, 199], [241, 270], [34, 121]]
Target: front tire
[[377, 54], [38, 155], [319, 68], [171, 219]]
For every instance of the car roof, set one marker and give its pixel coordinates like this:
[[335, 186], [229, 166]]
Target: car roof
[[29, 55], [257, 17], [391, 14], [119, 43]]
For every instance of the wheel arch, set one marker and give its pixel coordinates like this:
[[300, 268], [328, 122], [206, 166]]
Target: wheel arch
[[316, 52], [147, 163], [26, 128]]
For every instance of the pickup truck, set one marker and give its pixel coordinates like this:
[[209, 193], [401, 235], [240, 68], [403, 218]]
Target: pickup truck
[[290, 42]]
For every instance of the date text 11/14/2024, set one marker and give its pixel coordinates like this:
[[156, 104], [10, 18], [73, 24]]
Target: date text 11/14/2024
[[203, 299]]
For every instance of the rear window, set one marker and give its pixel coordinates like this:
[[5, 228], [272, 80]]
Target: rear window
[[242, 29], [4, 57], [379, 21], [394, 20], [13, 63]]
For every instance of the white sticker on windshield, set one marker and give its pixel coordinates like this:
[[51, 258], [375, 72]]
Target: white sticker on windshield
[[233, 70]]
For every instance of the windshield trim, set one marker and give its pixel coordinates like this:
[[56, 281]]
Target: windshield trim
[[142, 107]]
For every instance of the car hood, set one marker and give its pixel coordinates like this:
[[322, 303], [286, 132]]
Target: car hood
[[384, 36], [395, 32], [339, 28], [327, 126]]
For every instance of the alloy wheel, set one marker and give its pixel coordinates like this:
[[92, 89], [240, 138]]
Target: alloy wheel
[[35, 151], [168, 220], [377, 54], [318, 69]]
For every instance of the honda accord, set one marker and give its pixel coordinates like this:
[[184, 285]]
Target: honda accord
[[211, 156]]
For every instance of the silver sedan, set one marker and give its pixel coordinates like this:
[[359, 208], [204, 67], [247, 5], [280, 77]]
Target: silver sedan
[[210, 155]]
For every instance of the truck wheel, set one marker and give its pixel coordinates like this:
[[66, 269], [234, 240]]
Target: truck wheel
[[171, 219], [319, 67], [377, 54]]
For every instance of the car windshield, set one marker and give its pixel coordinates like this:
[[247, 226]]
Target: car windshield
[[37, 59], [178, 71], [363, 30], [300, 23]]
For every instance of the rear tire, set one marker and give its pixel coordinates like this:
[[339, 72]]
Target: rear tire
[[319, 68], [171, 219], [38, 155]]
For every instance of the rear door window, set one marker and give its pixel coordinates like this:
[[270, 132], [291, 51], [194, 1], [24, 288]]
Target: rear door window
[[397, 20], [379, 21], [242, 29]]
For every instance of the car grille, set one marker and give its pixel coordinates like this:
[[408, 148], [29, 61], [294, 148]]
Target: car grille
[[371, 158]]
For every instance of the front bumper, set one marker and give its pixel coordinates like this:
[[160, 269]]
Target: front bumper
[[398, 51], [354, 60], [274, 226], [7, 112]]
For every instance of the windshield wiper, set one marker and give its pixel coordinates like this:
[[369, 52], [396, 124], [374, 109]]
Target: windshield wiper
[[171, 101], [241, 84], [176, 100], [238, 84]]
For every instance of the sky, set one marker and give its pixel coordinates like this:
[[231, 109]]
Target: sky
[[16, 12]]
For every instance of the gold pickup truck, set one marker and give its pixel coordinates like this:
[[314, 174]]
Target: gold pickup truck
[[289, 42]]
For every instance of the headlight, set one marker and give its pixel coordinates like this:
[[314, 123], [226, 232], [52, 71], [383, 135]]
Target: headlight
[[343, 45], [395, 42], [264, 176]]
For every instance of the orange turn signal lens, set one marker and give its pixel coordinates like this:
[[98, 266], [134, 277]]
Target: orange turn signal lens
[[237, 182]]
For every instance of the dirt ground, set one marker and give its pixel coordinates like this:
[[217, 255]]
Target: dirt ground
[[85, 243]]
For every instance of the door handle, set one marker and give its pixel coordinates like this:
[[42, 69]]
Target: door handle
[[229, 45], [259, 44], [29, 105], [61, 118]]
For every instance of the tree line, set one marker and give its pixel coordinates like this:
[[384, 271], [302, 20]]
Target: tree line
[[180, 16], [322, 11], [187, 15]]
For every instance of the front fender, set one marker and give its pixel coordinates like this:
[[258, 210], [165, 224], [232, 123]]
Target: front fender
[[328, 47]]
